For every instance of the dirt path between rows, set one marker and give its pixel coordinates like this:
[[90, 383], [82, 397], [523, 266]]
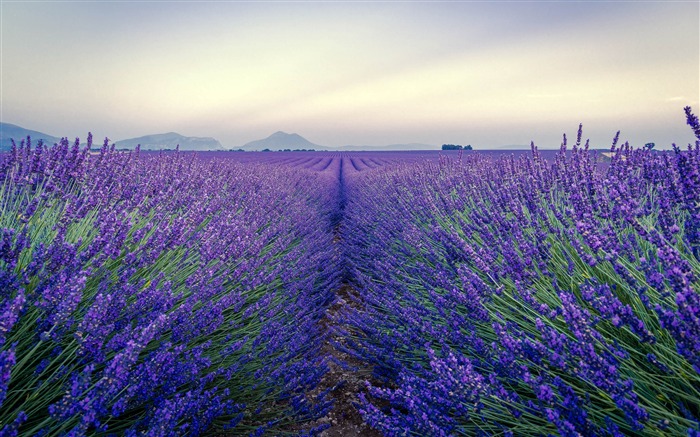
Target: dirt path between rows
[[346, 381]]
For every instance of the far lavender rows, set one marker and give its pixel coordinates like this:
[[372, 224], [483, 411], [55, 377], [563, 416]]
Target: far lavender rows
[[523, 297], [161, 294]]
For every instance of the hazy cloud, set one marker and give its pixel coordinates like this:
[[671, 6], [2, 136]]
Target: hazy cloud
[[360, 73]]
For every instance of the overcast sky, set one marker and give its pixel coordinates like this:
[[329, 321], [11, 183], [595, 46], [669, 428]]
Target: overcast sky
[[484, 73]]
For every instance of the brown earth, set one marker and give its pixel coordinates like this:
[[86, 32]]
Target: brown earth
[[344, 418]]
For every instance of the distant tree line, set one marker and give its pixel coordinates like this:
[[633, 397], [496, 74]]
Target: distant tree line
[[456, 147]]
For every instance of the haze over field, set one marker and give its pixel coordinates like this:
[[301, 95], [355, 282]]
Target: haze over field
[[483, 73]]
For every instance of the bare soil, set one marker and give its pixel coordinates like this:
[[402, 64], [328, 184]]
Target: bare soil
[[345, 381]]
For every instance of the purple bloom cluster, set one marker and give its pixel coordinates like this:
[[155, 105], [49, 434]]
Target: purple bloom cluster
[[162, 294], [529, 295]]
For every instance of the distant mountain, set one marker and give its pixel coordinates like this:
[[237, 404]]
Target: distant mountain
[[281, 141], [170, 140], [391, 147], [11, 131]]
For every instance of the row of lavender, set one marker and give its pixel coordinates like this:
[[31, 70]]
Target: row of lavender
[[529, 297], [160, 294]]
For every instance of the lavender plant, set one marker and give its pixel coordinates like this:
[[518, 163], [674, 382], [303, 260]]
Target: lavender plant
[[528, 296], [160, 294]]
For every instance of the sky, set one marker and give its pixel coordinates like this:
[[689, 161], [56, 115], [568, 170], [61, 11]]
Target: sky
[[485, 73]]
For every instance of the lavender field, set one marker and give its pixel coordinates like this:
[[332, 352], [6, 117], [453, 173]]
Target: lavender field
[[515, 293]]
